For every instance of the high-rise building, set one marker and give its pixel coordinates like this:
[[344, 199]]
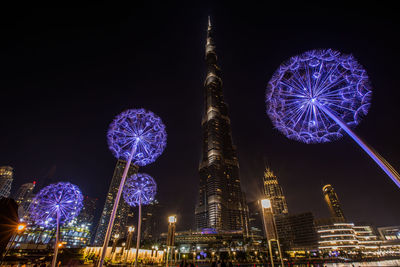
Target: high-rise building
[[123, 211], [273, 191], [6, 178], [297, 231], [255, 221], [332, 201], [151, 221], [24, 196], [24, 191], [221, 204]]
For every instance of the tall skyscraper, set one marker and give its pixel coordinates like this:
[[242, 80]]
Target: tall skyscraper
[[123, 211], [273, 191], [24, 197], [332, 201], [6, 178], [221, 204]]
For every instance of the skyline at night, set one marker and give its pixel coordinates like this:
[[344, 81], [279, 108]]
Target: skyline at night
[[66, 75]]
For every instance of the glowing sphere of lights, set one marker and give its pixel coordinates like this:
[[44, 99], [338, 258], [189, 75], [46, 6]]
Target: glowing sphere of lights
[[140, 128], [62, 197], [307, 85], [140, 187]]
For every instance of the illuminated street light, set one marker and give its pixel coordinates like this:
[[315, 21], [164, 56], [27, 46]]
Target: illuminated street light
[[21, 227], [266, 203], [170, 236], [270, 228], [172, 219]]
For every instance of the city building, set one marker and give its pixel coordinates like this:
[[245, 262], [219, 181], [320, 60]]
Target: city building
[[333, 203], [390, 233], [124, 212], [221, 203], [273, 191], [150, 221], [6, 179], [297, 232], [255, 221], [337, 236], [24, 196]]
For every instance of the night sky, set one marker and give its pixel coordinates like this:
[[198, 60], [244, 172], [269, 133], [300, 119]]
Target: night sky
[[65, 74]]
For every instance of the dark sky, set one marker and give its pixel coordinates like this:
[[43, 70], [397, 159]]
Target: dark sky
[[65, 73]]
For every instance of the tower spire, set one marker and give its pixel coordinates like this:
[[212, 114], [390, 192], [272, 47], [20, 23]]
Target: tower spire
[[209, 22]]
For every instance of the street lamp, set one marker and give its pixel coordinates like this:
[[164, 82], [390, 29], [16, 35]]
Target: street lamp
[[270, 227], [17, 231], [171, 235], [131, 229]]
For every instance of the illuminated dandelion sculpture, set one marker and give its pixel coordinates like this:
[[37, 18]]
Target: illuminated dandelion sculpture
[[54, 205], [317, 96], [138, 136], [140, 189]]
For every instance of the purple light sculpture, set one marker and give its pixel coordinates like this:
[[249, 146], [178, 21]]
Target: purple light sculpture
[[54, 205], [140, 189], [316, 96], [138, 136]]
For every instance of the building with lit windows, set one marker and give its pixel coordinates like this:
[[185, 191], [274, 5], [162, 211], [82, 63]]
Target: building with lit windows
[[273, 191], [348, 237], [124, 212], [333, 203], [297, 232], [6, 179], [390, 233], [337, 236], [221, 204], [24, 196]]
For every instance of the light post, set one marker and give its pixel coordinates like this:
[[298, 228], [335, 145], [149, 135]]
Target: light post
[[131, 229], [19, 229], [114, 246], [270, 228], [170, 236]]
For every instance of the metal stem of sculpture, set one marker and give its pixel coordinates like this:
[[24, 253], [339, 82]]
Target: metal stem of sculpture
[[385, 166], [138, 136], [54, 261], [138, 232], [315, 96]]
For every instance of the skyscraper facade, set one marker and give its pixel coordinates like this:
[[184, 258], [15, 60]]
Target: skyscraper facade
[[24, 197], [221, 204], [332, 201], [123, 211], [6, 178], [273, 191]]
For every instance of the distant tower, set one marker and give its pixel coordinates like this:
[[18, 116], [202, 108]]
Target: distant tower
[[24, 195], [332, 201], [6, 178], [123, 212], [273, 191], [221, 204]]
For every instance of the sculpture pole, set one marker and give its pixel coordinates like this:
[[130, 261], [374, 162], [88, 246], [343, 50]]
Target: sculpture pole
[[138, 233], [385, 166], [54, 261], [115, 207]]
